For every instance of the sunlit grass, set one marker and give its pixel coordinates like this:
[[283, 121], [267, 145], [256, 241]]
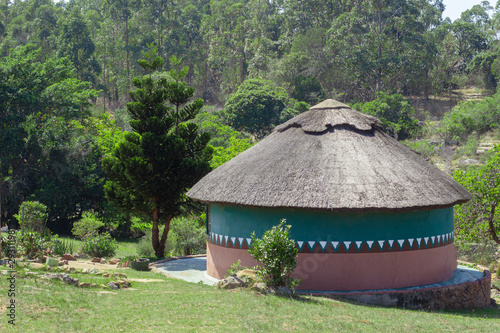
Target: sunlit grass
[[162, 304]]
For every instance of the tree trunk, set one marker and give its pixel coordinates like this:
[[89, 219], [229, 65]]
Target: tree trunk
[[493, 232], [159, 244]]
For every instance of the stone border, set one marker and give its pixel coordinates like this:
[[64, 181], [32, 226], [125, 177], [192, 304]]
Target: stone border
[[472, 294]]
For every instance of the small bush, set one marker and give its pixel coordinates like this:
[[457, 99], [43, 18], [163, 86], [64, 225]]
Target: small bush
[[277, 254], [100, 246], [478, 253], [425, 149], [35, 216], [396, 114], [87, 227], [189, 235], [62, 246], [145, 246], [33, 245]]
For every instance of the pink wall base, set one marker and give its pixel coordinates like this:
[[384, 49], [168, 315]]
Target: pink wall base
[[352, 271]]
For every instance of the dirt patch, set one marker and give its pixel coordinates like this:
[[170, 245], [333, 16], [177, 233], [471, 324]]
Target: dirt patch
[[146, 280], [81, 264]]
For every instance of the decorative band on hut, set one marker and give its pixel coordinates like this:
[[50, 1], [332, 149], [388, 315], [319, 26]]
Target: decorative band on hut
[[366, 211]]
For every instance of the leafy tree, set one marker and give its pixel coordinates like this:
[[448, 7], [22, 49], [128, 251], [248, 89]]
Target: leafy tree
[[38, 99], [76, 43], [479, 219], [396, 114], [257, 106], [151, 169]]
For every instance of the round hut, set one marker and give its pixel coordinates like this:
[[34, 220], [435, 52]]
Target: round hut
[[366, 211]]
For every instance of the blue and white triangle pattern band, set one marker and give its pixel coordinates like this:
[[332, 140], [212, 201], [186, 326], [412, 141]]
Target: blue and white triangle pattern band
[[346, 245]]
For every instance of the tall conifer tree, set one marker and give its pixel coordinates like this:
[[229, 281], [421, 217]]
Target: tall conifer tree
[[151, 170]]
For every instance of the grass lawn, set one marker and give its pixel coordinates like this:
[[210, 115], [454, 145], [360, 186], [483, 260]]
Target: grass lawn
[[126, 246], [157, 303]]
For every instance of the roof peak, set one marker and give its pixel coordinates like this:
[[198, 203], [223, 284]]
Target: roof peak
[[329, 104], [330, 114]]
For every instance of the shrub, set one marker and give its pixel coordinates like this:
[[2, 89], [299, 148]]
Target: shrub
[[33, 245], [62, 246], [470, 116], [100, 246], [87, 227], [480, 253], [35, 216], [425, 149], [277, 254], [145, 246], [189, 235], [396, 114]]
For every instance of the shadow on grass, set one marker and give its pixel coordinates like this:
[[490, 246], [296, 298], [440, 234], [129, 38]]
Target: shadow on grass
[[487, 313]]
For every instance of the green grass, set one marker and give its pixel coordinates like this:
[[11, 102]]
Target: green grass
[[173, 305], [126, 247]]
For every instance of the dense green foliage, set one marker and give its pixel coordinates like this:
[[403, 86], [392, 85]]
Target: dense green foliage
[[100, 246], [87, 227], [479, 219], [259, 105], [396, 114], [469, 117], [314, 49], [44, 155], [151, 168], [190, 235], [66, 70], [32, 216], [277, 254]]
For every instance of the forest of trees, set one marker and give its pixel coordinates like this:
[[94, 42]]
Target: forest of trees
[[66, 70]]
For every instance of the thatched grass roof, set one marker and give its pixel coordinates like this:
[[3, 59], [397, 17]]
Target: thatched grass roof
[[330, 157]]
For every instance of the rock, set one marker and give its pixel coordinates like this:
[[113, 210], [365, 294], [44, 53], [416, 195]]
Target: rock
[[61, 263], [70, 269], [231, 282], [120, 275], [65, 262], [55, 277], [84, 285], [92, 271], [468, 162], [113, 261], [85, 271], [103, 261], [94, 285], [251, 273], [285, 291], [106, 275], [261, 287], [80, 255], [95, 259], [112, 285], [68, 256], [122, 283], [103, 286]]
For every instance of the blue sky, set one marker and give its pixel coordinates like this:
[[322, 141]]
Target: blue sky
[[455, 7]]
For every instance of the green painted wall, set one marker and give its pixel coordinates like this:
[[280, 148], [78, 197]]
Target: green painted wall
[[308, 225]]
